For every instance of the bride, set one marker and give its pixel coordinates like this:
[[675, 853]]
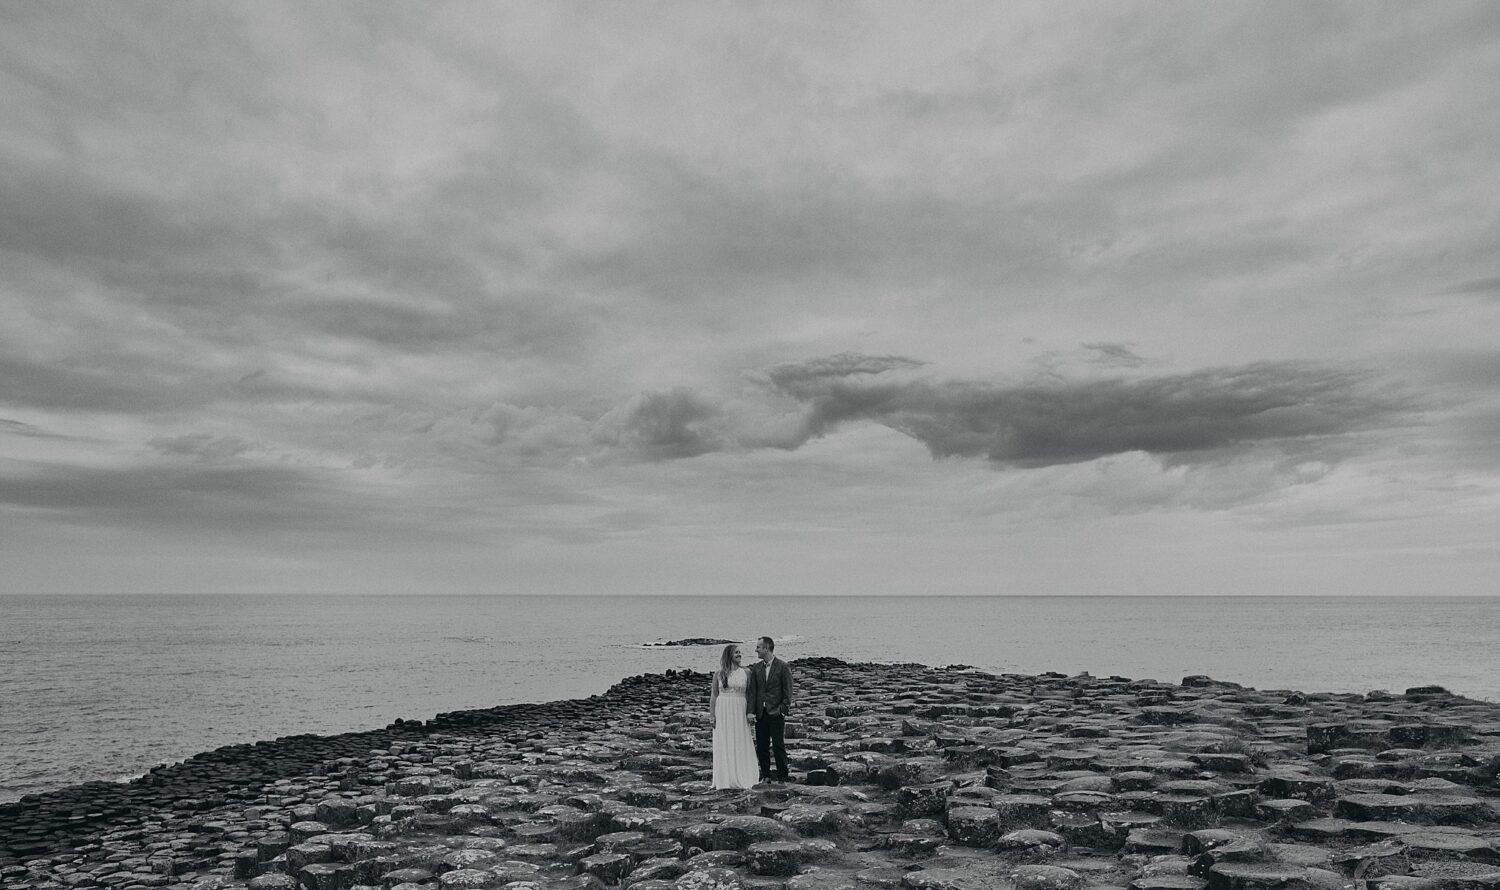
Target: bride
[[735, 765]]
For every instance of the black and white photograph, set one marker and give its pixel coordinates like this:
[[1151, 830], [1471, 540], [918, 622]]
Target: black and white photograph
[[749, 445]]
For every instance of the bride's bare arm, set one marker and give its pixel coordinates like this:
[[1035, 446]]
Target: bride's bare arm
[[713, 701]]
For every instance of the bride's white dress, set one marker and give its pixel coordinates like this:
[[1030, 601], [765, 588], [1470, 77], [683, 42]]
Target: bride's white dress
[[735, 765]]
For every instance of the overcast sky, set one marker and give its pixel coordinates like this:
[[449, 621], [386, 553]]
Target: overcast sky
[[899, 298]]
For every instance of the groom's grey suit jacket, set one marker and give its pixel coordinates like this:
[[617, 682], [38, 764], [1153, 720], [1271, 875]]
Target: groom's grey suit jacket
[[773, 692]]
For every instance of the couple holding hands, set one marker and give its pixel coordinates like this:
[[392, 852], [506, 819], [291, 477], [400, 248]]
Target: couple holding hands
[[761, 696]]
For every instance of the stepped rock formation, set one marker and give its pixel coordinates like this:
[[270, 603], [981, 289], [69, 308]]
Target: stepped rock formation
[[909, 778]]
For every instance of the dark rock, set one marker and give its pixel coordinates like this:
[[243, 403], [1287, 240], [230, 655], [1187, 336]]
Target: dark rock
[[611, 868], [913, 771], [848, 772], [661, 869], [580, 826], [468, 879], [1222, 763], [1187, 810], [709, 879], [811, 820], [821, 880], [1168, 882], [1166, 715], [467, 859], [773, 857], [269, 846], [970, 878], [1022, 811], [326, 876], [1454, 809], [337, 811], [715, 859], [1204, 840], [973, 826], [1378, 807], [1082, 801], [916, 801], [1296, 786], [1285, 810], [738, 832], [1375, 860], [1326, 828], [1046, 877], [301, 832], [1403, 882], [301, 855], [1134, 780], [1246, 876], [880, 878], [1087, 830], [1423, 845], [406, 876], [653, 848], [1037, 843], [1236, 804], [1240, 849]]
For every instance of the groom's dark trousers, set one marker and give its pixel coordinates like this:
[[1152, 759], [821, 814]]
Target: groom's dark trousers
[[770, 736]]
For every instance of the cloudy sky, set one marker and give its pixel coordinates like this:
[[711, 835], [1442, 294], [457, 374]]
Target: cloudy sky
[[749, 298]]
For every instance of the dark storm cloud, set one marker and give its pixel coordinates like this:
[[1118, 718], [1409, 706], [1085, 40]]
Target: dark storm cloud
[[1114, 354], [1184, 416], [1198, 417], [663, 426], [801, 379]]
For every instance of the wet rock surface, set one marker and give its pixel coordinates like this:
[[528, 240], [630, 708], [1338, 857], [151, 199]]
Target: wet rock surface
[[905, 778]]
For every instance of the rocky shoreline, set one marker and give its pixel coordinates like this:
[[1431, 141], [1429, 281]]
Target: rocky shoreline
[[907, 778]]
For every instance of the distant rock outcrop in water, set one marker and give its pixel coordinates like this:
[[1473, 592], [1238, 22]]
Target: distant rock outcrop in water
[[695, 641], [907, 778]]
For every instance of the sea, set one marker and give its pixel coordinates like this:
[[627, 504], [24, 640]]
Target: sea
[[106, 687]]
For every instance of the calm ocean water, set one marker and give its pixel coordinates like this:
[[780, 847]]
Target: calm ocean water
[[107, 687]]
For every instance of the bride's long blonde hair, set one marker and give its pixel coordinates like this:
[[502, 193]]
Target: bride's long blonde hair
[[726, 664]]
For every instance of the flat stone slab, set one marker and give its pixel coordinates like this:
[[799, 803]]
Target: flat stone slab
[[1242, 876], [1168, 882], [979, 877], [1428, 844]]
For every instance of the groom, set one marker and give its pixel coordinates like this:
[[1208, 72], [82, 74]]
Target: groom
[[769, 698]]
